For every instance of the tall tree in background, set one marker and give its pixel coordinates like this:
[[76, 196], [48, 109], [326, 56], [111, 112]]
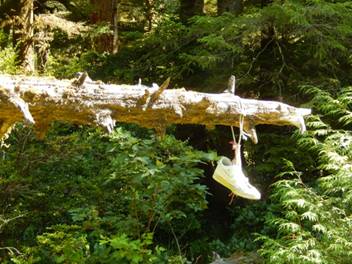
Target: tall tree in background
[[149, 6], [19, 16], [26, 32], [115, 25], [232, 6], [189, 8], [104, 12]]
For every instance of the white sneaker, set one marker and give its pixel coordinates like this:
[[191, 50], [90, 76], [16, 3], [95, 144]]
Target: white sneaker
[[231, 176]]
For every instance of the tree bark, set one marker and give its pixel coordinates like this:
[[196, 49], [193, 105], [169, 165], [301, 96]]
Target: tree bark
[[232, 6], [23, 35], [115, 24], [42, 100], [190, 8], [149, 13], [104, 13]]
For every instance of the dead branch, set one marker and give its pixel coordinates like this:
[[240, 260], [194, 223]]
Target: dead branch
[[42, 100]]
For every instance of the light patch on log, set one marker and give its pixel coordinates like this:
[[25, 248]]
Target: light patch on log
[[5, 130], [103, 119]]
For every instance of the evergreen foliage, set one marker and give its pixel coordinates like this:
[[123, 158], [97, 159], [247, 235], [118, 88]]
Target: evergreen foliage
[[312, 217], [7, 55]]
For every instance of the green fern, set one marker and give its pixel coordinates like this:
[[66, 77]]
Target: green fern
[[314, 219]]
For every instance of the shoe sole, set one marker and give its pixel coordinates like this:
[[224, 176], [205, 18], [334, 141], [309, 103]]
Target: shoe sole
[[217, 177]]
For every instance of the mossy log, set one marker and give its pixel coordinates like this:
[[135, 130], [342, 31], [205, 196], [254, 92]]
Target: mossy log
[[42, 100]]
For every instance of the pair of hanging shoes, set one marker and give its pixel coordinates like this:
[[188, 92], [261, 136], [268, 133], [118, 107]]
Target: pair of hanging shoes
[[231, 176]]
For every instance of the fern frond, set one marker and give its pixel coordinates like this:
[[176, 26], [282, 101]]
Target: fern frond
[[289, 227], [346, 119], [310, 216], [319, 228]]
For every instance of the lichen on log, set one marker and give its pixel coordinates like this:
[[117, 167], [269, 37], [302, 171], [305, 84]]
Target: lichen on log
[[42, 100]]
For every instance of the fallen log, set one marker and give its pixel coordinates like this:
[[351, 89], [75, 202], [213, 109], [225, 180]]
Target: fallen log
[[42, 100]]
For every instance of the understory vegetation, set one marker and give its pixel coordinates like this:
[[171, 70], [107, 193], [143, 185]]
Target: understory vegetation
[[82, 196]]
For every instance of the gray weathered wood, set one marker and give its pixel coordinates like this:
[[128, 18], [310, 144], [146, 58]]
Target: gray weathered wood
[[42, 100]]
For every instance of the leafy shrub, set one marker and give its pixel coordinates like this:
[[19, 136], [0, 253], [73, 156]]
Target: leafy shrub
[[64, 244], [121, 249], [68, 244], [94, 186], [8, 60]]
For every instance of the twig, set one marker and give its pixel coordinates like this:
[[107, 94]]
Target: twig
[[12, 250], [6, 221], [176, 240], [282, 57], [256, 58]]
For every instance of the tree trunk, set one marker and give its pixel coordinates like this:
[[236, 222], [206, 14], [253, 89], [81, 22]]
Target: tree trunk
[[149, 13], [104, 13], [44, 100], [232, 6], [24, 36], [115, 18], [102, 10], [190, 8]]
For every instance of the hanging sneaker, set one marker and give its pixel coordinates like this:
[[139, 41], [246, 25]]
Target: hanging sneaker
[[231, 176]]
